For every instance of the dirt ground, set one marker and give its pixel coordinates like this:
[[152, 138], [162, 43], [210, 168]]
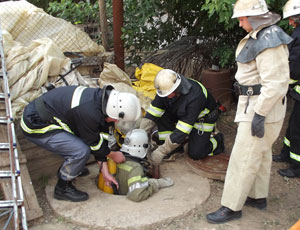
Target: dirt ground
[[283, 202]]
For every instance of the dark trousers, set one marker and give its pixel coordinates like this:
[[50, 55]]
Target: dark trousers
[[293, 136], [199, 144]]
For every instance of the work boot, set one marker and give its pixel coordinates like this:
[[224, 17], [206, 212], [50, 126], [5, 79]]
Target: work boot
[[280, 158], [65, 190], [256, 203], [291, 172], [223, 215], [220, 140]]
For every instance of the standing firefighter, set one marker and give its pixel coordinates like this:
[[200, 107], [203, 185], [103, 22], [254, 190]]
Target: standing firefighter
[[74, 122], [291, 144], [131, 174], [183, 110], [263, 78]]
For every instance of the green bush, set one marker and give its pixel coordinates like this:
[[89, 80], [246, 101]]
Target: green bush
[[151, 25]]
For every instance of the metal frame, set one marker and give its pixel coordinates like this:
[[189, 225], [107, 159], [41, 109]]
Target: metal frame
[[11, 207]]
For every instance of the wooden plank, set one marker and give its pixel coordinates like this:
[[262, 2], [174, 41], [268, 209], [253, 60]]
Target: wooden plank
[[33, 210]]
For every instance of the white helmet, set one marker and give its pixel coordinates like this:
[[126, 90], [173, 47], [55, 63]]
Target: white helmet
[[123, 106], [291, 8], [249, 8], [136, 143], [166, 81]]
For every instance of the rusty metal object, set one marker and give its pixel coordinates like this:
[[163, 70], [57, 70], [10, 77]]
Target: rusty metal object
[[219, 83], [212, 167], [155, 172]]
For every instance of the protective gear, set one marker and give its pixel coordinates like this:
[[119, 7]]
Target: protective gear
[[158, 154], [147, 125], [269, 37], [249, 8], [263, 20], [106, 90], [291, 8], [123, 106], [136, 143], [258, 125], [112, 168], [65, 190], [166, 82], [133, 182], [162, 182]]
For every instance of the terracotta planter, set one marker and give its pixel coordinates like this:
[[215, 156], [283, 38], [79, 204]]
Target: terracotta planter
[[219, 84]]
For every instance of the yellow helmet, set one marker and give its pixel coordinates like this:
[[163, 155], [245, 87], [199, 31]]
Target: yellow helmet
[[249, 8], [166, 81], [291, 8]]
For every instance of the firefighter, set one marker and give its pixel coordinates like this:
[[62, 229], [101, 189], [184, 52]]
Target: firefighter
[[73, 121], [131, 174], [262, 82], [291, 144], [183, 110]]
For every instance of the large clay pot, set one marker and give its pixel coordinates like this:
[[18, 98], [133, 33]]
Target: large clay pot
[[219, 84]]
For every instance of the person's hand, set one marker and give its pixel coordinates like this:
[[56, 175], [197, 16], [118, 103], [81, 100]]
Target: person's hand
[[108, 178], [258, 126], [116, 156], [156, 156]]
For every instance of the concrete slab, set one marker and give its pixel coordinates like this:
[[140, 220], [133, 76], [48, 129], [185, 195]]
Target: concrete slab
[[106, 211]]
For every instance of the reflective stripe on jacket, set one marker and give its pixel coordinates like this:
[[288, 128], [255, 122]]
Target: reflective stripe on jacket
[[76, 110], [186, 110], [132, 181]]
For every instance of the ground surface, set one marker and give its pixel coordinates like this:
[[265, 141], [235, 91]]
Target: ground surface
[[283, 202]]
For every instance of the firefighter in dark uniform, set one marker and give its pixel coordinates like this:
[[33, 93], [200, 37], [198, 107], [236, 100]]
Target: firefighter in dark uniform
[[131, 174], [73, 121], [183, 110], [291, 143]]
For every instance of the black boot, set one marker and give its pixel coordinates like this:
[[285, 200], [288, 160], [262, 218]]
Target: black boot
[[279, 158], [290, 172], [223, 215], [65, 190], [220, 140], [256, 203]]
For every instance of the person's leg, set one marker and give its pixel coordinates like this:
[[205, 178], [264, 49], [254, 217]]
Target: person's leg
[[246, 170], [203, 144], [284, 154], [199, 146], [76, 153], [249, 165], [294, 144]]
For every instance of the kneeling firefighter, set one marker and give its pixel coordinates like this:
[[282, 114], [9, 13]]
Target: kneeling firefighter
[[131, 174], [182, 110], [73, 121]]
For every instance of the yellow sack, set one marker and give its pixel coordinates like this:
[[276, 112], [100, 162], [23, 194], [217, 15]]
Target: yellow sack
[[145, 76]]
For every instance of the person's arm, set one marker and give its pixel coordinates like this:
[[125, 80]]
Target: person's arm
[[141, 188], [273, 67], [108, 178]]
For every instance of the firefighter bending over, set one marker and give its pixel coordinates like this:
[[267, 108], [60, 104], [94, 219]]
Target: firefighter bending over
[[73, 121]]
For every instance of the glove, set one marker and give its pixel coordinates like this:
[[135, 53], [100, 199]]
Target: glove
[[147, 125], [161, 183], [258, 126], [165, 182], [158, 154]]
